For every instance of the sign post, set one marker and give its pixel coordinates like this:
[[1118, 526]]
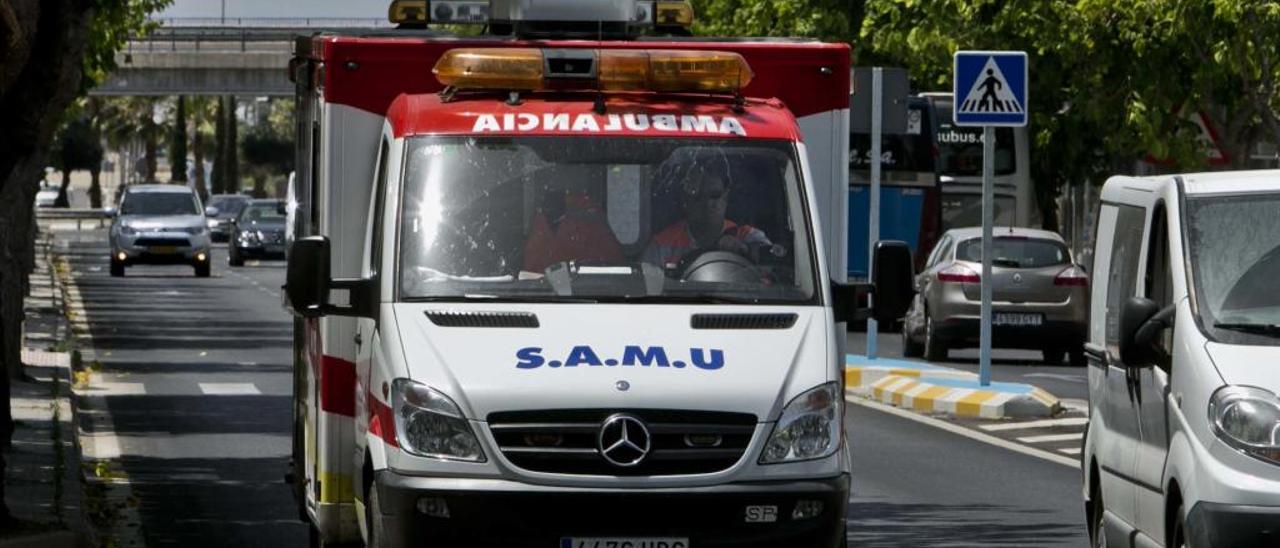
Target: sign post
[[990, 90]]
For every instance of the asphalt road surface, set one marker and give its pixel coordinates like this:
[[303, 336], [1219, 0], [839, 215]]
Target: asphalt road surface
[[194, 392]]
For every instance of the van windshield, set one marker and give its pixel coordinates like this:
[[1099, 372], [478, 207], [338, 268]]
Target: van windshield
[[1234, 246], [612, 219]]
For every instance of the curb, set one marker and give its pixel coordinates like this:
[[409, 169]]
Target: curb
[[930, 388]]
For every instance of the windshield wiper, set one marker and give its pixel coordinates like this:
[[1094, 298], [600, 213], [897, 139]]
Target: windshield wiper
[[1255, 328], [487, 298]]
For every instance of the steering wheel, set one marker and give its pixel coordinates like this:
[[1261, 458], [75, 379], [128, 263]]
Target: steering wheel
[[713, 265]]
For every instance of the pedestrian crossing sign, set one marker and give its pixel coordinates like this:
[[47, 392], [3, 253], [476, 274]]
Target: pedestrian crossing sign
[[990, 88]]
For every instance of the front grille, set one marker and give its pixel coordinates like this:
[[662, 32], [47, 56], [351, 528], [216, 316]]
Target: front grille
[[566, 441], [272, 237], [153, 241]]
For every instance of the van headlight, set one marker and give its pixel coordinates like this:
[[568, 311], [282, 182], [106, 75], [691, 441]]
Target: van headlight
[[1247, 419], [429, 424], [810, 427]]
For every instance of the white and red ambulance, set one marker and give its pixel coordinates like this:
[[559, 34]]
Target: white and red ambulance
[[573, 291]]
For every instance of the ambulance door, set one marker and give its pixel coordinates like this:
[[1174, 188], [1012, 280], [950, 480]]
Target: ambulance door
[[366, 337]]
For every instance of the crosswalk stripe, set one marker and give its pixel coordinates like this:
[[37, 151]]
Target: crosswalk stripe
[[229, 389], [102, 388], [1052, 438], [1069, 421], [1070, 450]]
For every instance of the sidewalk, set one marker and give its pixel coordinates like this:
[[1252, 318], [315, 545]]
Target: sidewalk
[[43, 477], [930, 388]]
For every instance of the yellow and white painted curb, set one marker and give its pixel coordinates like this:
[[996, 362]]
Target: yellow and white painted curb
[[925, 392]]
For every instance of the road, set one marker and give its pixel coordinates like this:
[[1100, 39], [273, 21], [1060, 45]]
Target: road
[[194, 393]]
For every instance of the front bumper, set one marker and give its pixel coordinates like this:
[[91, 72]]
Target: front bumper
[[513, 514], [164, 248], [1238, 526]]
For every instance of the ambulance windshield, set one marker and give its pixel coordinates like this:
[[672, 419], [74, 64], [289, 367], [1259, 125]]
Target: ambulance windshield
[[610, 220]]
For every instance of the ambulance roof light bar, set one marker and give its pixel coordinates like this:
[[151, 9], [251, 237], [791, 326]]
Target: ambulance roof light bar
[[549, 17], [531, 69]]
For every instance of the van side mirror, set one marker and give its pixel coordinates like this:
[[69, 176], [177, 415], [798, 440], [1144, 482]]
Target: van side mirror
[[307, 277], [1141, 321], [210, 211], [894, 280], [307, 283]]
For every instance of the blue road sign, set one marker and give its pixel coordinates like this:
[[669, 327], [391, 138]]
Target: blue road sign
[[990, 88]]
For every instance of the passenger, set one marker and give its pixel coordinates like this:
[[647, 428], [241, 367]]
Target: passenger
[[704, 198], [579, 233]]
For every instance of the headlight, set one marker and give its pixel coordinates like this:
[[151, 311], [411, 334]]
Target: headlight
[[429, 424], [249, 237], [127, 230], [810, 427], [211, 224], [1247, 419]]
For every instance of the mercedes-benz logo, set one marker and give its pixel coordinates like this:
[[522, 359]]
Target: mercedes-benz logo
[[1017, 278], [624, 440]]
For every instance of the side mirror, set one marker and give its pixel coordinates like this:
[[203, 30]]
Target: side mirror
[[109, 212], [210, 211], [307, 277], [894, 280], [1141, 321], [307, 283]]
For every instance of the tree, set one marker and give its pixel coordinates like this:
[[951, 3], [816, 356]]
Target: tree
[[268, 145], [50, 51], [178, 146], [201, 113], [79, 147], [230, 147]]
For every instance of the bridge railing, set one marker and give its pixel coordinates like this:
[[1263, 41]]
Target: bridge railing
[[190, 33], [62, 219]]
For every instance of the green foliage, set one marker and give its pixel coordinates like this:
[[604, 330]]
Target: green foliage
[[114, 21], [825, 19], [268, 145], [78, 146]]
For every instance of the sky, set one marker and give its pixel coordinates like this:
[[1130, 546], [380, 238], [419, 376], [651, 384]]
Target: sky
[[276, 8]]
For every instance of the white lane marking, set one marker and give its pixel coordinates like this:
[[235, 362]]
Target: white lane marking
[[104, 388], [229, 389], [971, 434], [1079, 406], [1050, 438], [1070, 421], [1059, 376], [1070, 450]]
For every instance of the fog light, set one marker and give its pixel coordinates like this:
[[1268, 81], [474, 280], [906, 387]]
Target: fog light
[[121, 256], [201, 257], [807, 509], [434, 507]]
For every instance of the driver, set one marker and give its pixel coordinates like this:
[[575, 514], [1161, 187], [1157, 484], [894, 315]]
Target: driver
[[704, 196]]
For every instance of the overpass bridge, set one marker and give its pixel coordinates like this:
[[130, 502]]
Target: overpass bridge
[[218, 56]]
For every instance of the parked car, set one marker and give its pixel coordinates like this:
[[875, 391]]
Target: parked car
[[47, 195], [258, 232], [221, 210], [159, 224], [1183, 445], [1040, 297]]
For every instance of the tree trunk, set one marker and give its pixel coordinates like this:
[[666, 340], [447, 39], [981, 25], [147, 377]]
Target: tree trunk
[[42, 44], [219, 174], [260, 185], [197, 152], [62, 200], [232, 148], [95, 187], [151, 147], [178, 152]]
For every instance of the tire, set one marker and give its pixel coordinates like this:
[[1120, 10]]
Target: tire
[[203, 270], [1054, 355], [377, 532], [1097, 530], [233, 256], [935, 349], [1178, 536], [910, 348], [117, 269]]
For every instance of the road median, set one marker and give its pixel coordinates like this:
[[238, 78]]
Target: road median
[[930, 388]]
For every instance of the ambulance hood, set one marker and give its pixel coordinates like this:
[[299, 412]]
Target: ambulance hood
[[594, 356], [1247, 365]]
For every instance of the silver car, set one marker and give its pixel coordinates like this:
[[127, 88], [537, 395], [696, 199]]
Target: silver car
[[159, 224], [1040, 297]]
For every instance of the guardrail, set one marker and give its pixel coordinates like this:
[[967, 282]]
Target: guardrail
[[71, 219]]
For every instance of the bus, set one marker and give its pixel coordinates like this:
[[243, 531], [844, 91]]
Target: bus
[[910, 205], [960, 169]]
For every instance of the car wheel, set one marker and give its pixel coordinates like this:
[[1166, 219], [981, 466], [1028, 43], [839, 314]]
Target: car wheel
[[1053, 356], [377, 530], [203, 270], [935, 349], [117, 268], [233, 256], [1097, 530], [1178, 537], [910, 348]]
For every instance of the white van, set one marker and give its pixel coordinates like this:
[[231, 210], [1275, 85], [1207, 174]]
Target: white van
[[1183, 446]]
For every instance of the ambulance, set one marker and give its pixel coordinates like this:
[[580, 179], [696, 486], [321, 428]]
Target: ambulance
[[574, 281]]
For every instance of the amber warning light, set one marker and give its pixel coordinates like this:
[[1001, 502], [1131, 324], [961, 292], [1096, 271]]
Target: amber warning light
[[528, 69]]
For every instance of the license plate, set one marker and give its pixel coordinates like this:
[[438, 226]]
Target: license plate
[[1017, 320], [164, 249], [623, 542]]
